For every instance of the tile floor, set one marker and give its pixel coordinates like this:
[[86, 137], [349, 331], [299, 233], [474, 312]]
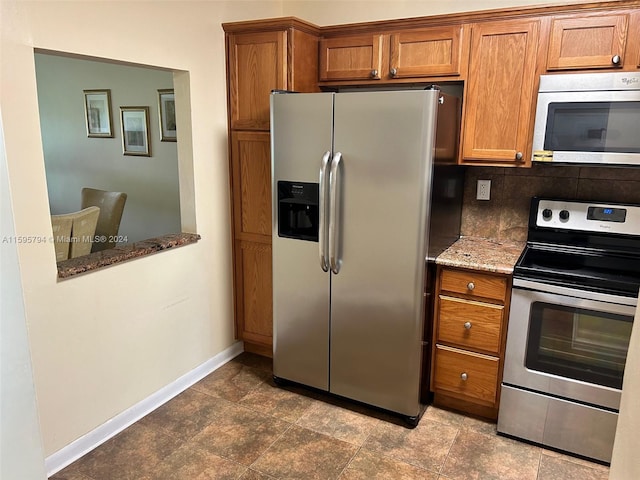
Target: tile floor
[[236, 424]]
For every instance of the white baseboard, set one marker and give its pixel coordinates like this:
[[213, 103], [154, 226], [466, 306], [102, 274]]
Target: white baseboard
[[76, 449]]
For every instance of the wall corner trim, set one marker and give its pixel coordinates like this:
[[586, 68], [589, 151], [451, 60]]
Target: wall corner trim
[[79, 447]]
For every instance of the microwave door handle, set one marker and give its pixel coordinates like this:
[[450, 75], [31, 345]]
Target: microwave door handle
[[334, 212], [322, 220]]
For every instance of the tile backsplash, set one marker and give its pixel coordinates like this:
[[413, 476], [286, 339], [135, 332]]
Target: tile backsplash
[[504, 217]]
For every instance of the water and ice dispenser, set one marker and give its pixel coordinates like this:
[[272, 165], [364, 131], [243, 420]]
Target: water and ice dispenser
[[298, 213]]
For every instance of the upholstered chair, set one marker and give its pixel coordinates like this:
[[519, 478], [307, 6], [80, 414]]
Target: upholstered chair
[[74, 232], [61, 235], [83, 231], [111, 206]]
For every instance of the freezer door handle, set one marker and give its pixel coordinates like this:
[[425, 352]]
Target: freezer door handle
[[334, 212], [322, 230]]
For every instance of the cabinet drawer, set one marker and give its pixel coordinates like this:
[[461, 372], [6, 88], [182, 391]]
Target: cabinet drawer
[[452, 366], [470, 324], [474, 283]]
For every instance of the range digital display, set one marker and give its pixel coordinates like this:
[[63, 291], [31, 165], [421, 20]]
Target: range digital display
[[607, 214]]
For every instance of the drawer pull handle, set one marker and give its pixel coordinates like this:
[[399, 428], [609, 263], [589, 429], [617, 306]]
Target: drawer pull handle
[[464, 376], [471, 285], [467, 325]]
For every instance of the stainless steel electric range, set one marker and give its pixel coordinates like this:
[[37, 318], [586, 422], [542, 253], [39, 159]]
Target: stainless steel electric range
[[574, 296]]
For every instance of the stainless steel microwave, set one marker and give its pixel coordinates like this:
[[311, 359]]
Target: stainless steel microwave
[[588, 118]]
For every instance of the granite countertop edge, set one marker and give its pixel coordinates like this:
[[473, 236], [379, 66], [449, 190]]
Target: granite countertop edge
[[484, 254], [94, 261]]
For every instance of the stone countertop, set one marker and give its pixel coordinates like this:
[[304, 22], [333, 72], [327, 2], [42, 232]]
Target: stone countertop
[[482, 254], [74, 266]]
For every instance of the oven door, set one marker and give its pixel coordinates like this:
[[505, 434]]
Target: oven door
[[567, 342], [588, 127]]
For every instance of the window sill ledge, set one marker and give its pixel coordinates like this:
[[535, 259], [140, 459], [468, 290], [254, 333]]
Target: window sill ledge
[[94, 261]]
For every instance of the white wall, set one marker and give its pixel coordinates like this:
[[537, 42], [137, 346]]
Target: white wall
[[105, 340], [74, 161], [332, 12], [624, 462], [21, 454]]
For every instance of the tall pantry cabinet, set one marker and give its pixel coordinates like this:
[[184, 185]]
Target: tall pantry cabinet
[[264, 55]]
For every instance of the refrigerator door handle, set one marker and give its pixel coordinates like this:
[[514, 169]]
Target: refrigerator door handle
[[322, 230], [334, 212]]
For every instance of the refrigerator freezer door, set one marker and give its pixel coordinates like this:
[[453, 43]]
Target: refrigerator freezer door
[[301, 135], [386, 140]]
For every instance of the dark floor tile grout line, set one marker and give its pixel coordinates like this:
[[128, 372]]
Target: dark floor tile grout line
[[539, 465], [349, 462], [291, 425], [446, 457]]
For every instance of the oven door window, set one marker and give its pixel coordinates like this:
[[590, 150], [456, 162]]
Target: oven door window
[[593, 127], [581, 344]]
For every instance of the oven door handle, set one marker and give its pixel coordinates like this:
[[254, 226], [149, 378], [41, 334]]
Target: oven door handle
[[574, 292]]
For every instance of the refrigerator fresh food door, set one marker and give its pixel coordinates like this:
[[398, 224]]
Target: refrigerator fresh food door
[[383, 187], [301, 138]]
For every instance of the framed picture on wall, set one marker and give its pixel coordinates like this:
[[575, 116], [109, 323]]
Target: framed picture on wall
[[167, 112], [97, 111], [135, 131]]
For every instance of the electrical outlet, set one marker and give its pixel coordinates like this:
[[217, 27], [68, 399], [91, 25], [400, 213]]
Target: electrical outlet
[[483, 191]]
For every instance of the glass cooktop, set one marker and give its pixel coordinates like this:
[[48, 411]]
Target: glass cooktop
[[597, 270]]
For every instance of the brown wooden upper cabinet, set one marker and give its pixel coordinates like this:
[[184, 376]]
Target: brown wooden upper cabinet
[[586, 42], [426, 53], [430, 52], [257, 65], [499, 96], [351, 58]]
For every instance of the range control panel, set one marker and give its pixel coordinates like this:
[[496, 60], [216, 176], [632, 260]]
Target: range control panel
[[588, 216]]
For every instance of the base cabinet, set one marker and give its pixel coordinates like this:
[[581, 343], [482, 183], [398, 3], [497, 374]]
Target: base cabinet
[[254, 290], [469, 334]]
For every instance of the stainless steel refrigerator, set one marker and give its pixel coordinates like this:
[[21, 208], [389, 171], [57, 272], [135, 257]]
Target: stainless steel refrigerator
[[353, 197]]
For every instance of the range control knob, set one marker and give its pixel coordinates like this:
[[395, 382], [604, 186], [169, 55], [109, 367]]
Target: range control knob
[[564, 214], [547, 213]]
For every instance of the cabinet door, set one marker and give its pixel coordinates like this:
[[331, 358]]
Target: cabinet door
[[499, 99], [251, 185], [254, 291], [251, 182], [351, 58], [425, 53], [257, 65], [587, 42]]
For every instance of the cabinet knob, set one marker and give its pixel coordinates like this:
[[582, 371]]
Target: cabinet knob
[[467, 325], [519, 156], [393, 72], [374, 73], [464, 376], [616, 59], [471, 285]]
